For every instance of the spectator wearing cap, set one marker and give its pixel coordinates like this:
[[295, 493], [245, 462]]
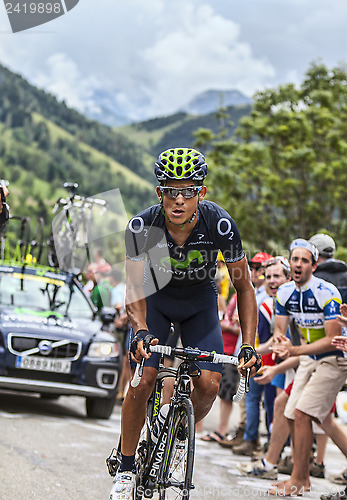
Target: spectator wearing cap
[[277, 272], [257, 275], [330, 269], [314, 304]]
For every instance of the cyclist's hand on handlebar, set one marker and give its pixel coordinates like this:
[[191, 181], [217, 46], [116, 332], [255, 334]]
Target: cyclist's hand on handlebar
[[249, 358], [139, 345]]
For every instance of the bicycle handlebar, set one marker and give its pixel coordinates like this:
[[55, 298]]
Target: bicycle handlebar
[[191, 354]]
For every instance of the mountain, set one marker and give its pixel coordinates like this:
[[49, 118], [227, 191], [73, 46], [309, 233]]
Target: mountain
[[106, 110], [43, 143], [211, 100], [158, 134], [111, 108]]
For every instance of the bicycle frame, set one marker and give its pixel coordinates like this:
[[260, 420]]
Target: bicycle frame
[[155, 462]]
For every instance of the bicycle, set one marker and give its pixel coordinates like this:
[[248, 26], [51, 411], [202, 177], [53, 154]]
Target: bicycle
[[166, 467], [72, 230]]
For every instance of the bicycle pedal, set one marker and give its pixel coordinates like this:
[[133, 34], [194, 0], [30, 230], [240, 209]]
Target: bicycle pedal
[[113, 462]]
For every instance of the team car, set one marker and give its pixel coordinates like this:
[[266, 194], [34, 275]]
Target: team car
[[52, 342]]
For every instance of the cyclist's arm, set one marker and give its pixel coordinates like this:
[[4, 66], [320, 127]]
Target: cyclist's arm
[[246, 303], [135, 302]]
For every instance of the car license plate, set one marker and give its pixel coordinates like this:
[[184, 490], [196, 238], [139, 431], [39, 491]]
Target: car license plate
[[43, 364]]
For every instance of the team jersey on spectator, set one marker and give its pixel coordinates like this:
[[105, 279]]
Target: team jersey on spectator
[[311, 305], [147, 238], [264, 327]]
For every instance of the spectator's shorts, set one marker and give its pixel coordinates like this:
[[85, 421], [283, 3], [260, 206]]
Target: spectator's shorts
[[316, 385], [229, 382]]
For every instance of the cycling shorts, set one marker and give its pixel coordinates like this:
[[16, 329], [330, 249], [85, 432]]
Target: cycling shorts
[[195, 309]]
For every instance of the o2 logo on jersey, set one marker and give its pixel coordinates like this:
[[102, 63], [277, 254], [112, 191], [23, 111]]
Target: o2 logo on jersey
[[26, 14], [224, 228], [136, 225]]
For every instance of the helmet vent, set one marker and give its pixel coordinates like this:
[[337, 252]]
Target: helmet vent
[[180, 152], [179, 171], [179, 160]]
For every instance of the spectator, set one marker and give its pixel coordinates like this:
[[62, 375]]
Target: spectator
[[257, 278], [222, 276], [277, 272], [257, 275], [230, 377], [334, 271], [88, 277], [322, 371], [102, 291], [328, 268], [266, 467], [340, 342]]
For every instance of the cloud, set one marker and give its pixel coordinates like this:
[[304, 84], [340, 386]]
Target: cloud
[[61, 77], [152, 57], [202, 50]]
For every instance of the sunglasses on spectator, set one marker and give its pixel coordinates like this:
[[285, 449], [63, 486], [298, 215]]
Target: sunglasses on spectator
[[187, 192], [255, 266]]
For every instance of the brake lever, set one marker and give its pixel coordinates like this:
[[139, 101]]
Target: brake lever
[[248, 374]]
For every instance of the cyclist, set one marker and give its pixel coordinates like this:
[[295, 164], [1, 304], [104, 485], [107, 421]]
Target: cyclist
[[172, 250], [315, 304]]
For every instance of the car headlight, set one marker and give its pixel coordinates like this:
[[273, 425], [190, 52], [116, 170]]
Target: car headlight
[[103, 350]]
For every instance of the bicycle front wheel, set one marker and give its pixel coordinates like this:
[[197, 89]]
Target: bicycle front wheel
[[177, 470]]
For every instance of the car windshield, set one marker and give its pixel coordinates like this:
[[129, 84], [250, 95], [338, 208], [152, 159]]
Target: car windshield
[[39, 293]]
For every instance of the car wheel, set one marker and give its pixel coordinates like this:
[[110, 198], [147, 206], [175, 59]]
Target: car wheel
[[100, 408]]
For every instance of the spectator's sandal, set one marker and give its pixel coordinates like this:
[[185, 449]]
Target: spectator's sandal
[[214, 437]]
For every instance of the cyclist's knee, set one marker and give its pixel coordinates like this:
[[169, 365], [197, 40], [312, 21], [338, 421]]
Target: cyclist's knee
[[208, 385], [144, 389]]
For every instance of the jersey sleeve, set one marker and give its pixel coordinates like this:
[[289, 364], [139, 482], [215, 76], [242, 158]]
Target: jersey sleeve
[[332, 306], [281, 302], [135, 239]]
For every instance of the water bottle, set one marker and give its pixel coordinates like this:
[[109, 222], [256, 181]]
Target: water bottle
[[159, 422]]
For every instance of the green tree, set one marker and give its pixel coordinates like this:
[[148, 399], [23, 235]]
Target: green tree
[[283, 173]]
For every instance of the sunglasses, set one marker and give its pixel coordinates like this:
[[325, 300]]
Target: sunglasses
[[187, 192], [256, 267]]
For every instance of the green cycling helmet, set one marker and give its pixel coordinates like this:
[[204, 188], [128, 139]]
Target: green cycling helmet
[[180, 164]]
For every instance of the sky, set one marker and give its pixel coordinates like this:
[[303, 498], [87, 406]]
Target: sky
[[153, 57]]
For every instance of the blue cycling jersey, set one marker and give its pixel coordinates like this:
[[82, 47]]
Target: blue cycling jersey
[[311, 305], [147, 238]]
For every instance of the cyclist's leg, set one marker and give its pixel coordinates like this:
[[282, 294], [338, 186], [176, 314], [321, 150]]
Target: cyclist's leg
[[203, 331], [134, 410], [134, 405]]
